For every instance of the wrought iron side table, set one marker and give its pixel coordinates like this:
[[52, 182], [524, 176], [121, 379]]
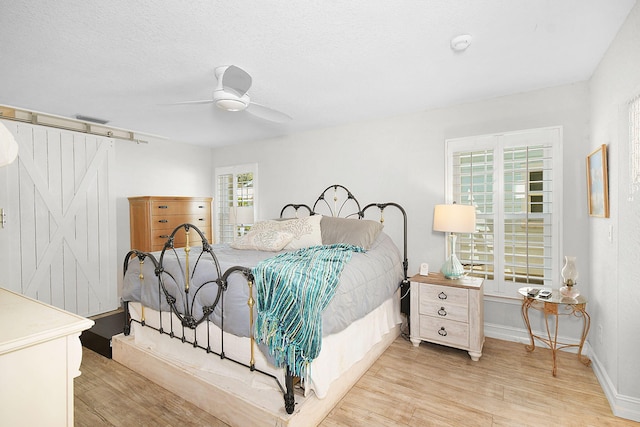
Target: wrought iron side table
[[556, 305]]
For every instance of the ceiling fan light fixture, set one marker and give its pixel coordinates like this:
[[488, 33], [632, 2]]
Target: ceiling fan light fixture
[[231, 104], [229, 101]]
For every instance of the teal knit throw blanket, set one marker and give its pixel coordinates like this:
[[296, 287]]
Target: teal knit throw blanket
[[292, 291]]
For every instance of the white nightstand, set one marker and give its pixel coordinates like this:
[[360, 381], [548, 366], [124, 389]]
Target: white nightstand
[[448, 312]]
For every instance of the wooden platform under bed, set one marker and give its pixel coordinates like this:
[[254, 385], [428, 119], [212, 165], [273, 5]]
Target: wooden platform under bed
[[98, 337], [231, 401]]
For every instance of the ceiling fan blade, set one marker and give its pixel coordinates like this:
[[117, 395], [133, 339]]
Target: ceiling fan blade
[[267, 113], [236, 79], [201, 101]]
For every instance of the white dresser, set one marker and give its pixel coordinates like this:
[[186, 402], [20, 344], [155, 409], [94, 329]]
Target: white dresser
[[40, 355], [448, 312]]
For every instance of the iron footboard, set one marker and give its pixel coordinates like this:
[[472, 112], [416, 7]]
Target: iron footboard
[[182, 306]]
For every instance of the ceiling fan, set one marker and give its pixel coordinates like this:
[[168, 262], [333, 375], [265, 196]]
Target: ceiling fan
[[231, 94]]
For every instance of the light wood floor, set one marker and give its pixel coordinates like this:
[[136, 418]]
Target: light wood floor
[[426, 386]]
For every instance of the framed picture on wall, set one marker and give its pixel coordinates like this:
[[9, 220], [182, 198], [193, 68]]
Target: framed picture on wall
[[598, 183]]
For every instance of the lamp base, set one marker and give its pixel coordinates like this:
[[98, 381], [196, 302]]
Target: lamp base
[[569, 291], [452, 268]]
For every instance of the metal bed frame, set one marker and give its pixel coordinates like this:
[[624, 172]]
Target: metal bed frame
[[185, 313]]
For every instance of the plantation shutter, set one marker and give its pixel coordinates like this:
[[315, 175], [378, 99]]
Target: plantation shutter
[[225, 202], [527, 208], [509, 179], [474, 185], [235, 188]]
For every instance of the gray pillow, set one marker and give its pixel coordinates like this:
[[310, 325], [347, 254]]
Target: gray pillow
[[359, 232]]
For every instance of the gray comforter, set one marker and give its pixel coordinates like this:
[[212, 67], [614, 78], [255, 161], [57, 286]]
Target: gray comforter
[[367, 280]]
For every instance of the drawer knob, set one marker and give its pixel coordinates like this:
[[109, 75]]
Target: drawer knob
[[163, 207], [442, 312], [442, 332], [442, 295], [163, 221], [201, 207], [200, 219]]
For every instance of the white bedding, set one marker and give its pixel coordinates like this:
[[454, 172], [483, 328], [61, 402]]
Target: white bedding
[[339, 351], [367, 280], [365, 308]]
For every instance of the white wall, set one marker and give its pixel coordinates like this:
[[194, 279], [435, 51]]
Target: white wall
[[401, 159], [159, 168], [615, 266]]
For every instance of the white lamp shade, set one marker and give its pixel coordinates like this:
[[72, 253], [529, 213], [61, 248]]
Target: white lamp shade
[[8, 146], [454, 218], [241, 215]]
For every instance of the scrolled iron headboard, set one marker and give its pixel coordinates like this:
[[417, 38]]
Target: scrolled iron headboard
[[337, 200]]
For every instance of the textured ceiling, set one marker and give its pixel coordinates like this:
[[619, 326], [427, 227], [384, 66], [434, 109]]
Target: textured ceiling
[[324, 63]]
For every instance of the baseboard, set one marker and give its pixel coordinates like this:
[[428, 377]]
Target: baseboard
[[621, 406], [521, 335], [505, 333]]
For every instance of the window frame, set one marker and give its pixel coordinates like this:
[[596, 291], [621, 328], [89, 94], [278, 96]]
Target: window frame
[[497, 142], [234, 170]]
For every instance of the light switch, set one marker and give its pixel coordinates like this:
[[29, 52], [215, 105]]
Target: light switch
[[610, 233]]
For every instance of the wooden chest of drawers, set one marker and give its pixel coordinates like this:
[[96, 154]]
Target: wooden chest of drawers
[[448, 312], [153, 218]]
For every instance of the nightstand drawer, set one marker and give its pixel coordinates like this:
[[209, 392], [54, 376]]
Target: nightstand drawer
[[443, 331], [444, 310], [450, 295]]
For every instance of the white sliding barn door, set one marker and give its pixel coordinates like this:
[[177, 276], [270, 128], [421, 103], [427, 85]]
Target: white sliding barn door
[[58, 243]]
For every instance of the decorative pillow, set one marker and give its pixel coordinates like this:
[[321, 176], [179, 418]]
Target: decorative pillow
[[263, 240], [306, 231], [358, 232]]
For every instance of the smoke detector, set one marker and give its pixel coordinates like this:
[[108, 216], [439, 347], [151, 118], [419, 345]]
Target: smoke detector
[[461, 42]]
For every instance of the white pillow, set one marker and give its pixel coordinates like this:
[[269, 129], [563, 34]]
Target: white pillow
[[263, 240], [306, 231]]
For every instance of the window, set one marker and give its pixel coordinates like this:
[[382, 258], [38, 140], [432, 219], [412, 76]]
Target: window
[[235, 187], [509, 178]]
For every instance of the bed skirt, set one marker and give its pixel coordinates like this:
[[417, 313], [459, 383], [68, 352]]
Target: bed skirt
[[343, 359]]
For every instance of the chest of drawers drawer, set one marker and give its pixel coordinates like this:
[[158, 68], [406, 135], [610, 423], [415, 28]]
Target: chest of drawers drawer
[[170, 222], [159, 237], [193, 207]]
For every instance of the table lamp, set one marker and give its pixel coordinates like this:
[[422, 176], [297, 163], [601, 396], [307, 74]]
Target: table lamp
[[453, 219]]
